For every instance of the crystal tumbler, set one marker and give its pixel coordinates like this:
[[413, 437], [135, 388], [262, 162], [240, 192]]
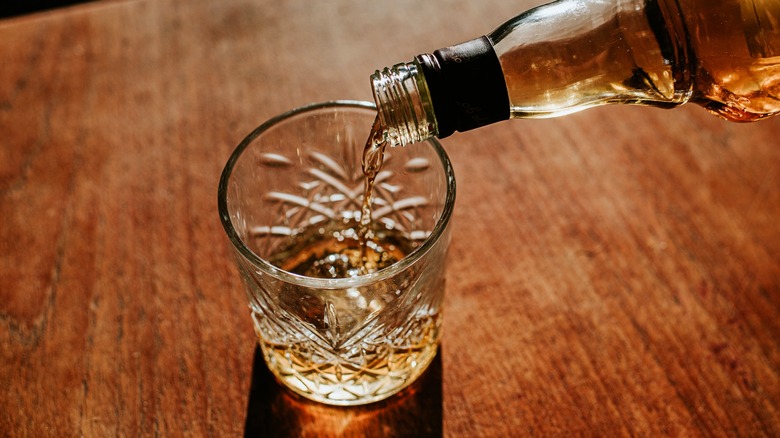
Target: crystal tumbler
[[290, 200]]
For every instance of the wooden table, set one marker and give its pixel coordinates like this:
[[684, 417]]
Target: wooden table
[[613, 272]]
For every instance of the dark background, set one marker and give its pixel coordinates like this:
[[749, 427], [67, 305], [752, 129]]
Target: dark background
[[12, 8]]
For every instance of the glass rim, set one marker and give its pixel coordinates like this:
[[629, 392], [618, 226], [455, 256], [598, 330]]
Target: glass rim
[[330, 283]]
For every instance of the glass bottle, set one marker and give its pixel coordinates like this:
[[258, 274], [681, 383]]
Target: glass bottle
[[570, 55]]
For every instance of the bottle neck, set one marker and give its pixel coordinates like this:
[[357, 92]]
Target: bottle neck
[[404, 104], [456, 88]]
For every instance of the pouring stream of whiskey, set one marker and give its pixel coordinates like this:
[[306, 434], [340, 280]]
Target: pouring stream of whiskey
[[373, 155]]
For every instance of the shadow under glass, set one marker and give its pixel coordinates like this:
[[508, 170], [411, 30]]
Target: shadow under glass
[[274, 411]]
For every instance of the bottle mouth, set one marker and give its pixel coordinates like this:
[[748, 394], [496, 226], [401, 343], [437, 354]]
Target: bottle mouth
[[401, 96]]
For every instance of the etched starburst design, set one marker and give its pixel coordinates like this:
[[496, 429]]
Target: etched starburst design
[[327, 191]]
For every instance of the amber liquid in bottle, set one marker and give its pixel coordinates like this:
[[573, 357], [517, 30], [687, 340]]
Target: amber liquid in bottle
[[721, 54]]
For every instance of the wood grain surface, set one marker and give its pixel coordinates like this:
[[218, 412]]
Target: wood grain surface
[[613, 273]]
